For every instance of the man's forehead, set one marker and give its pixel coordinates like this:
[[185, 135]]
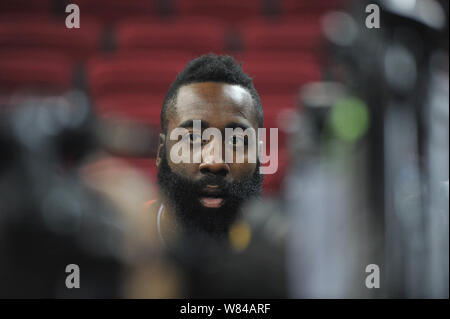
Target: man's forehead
[[215, 103]]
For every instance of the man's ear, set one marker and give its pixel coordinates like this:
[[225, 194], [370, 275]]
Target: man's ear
[[162, 140]]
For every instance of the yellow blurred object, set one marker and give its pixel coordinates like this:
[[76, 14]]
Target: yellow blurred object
[[240, 235]]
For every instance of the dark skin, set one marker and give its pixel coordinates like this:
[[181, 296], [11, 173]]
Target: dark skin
[[218, 105]]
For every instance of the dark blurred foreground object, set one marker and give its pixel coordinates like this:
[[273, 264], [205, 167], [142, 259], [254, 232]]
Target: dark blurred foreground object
[[370, 180], [49, 217]]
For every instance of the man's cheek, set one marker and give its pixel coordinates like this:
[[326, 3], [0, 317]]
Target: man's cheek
[[241, 171], [184, 169]]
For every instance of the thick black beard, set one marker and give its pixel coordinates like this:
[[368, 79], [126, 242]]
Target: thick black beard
[[184, 194]]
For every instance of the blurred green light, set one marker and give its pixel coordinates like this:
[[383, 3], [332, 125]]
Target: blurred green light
[[349, 119]]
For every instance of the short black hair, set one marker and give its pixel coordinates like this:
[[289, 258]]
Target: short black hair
[[211, 68]]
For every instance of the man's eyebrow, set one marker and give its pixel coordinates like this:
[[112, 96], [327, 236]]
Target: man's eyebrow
[[190, 123], [234, 125]]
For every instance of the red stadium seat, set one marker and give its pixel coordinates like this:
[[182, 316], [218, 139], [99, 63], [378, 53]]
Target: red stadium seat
[[229, 11], [278, 86], [273, 182], [26, 6], [111, 11], [275, 104], [280, 113], [140, 108], [281, 77], [44, 33], [197, 36], [132, 73], [281, 35], [38, 71], [258, 56], [308, 7], [145, 165]]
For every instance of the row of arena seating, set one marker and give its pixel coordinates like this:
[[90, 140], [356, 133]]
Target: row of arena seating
[[230, 11], [189, 35], [137, 72]]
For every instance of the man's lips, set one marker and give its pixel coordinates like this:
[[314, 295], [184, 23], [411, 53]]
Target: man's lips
[[211, 197], [211, 202]]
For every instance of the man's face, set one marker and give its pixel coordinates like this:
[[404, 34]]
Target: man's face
[[207, 195]]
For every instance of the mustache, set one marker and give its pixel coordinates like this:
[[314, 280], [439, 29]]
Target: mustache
[[238, 190], [196, 188], [220, 182]]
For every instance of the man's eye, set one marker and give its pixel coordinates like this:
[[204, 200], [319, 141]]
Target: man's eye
[[194, 137], [238, 141]]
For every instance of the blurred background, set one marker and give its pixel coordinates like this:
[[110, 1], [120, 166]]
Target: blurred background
[[362, 178]]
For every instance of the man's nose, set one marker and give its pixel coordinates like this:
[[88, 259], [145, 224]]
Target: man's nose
[[213, 162]]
